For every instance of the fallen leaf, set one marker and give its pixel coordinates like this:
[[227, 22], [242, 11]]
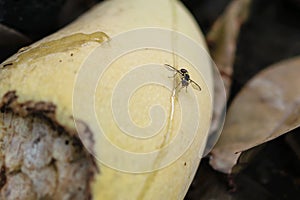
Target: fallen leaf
[[267, 107], [222, 40], [11, 41], [11, 37]]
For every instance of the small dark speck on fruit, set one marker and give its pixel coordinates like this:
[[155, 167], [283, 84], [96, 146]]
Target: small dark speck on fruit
[[37, 140], [72, 54], [2, 177], [7, 64]]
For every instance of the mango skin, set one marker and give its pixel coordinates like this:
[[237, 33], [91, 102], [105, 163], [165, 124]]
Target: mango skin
[[46, 71]]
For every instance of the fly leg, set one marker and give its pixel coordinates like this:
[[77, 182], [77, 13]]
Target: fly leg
[[173, 76]]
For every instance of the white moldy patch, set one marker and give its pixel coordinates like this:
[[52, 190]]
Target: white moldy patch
[[39, 162]]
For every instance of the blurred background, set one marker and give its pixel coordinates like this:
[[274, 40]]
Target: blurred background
[[271, 34]]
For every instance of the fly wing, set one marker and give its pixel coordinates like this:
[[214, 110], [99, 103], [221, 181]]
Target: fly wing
[[195, 85], [169, 67]]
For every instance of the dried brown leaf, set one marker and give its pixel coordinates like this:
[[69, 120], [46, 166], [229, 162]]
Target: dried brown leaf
[[222, 40], [11, 37], [267, 107]]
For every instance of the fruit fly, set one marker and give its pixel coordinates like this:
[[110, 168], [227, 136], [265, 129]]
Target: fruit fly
[[185, 78]]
